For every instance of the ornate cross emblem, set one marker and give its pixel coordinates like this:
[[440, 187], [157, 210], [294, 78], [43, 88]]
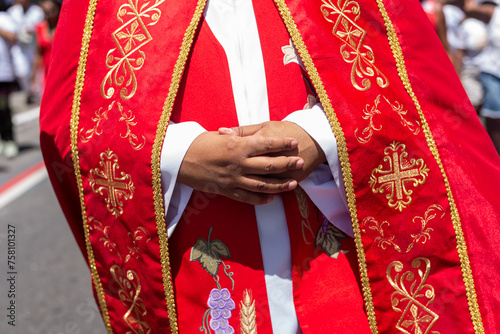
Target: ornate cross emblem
[[401, 172], [413, 296], [117, 188]]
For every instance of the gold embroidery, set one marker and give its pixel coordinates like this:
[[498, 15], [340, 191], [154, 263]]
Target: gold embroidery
[[139, 234], [304, 212], [400, 172], [187, 41], [129, 39], [248, 314], [422, 236], [108, 243], [74, 123], [417, 317], [382, 240], [208, 254], [127, 117], [424, 233], [343, 15], [343, 155], [130, 288], [371, 111], [117, 188], [461, 245]]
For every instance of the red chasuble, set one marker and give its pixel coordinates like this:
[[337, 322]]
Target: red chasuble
[[420, 173]]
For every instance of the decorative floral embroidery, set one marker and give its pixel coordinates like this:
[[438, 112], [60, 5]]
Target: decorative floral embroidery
[[291, 55], [248, 314], [130, 288], [370, 113], [301, 196], [400, 172], [414, 295], [327, 237], [344, 15], [125, 116], [220, 306], [207, 253], [130, 37], [422, 236]]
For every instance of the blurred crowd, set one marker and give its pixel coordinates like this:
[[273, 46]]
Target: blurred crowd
[[26, 32], [470, 32]]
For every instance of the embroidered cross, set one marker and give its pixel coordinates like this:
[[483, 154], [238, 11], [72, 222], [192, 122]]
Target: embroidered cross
[[117, 188], [400, 172]]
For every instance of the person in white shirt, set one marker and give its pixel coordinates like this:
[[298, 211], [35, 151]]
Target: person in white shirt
[[7, 82]]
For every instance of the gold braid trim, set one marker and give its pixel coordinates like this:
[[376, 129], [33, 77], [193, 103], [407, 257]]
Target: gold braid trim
[[461, 246], [74, 123], [342, 151], [155, 162]]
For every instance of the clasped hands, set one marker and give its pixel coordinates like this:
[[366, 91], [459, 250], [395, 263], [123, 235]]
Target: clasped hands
[[251, 163]]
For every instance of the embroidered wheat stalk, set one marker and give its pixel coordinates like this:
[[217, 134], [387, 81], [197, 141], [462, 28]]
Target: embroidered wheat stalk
[[247, 314]]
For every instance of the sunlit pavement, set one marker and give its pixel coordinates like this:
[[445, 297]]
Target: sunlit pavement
[[45, 283]]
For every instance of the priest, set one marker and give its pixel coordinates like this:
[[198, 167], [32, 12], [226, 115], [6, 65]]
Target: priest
[[287, 166]]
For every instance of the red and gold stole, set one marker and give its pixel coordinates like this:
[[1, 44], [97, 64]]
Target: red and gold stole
[[409, 165]]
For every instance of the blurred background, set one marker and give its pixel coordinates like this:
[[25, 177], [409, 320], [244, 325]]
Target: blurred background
[[53, 293]]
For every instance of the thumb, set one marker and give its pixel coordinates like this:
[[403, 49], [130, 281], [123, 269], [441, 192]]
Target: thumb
[[241, 131]]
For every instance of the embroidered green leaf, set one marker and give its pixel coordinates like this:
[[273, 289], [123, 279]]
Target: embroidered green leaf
[[208, 253]]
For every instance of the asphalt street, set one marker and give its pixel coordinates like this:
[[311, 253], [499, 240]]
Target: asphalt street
[[45, 285]]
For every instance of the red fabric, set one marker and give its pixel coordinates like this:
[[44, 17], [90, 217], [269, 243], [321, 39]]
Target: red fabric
[[44, 42], [455, 129], [467, 156]]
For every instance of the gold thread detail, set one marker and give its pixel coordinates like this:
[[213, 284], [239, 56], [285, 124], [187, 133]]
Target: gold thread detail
[[342, 151], [371, 111], [122, 67], [383, 239], [461, 245], [74, 123], [130, 288], [400, 171], [248, 314], [343, 17], [417, 317], [304, 212], [155, 162], [117, 188]]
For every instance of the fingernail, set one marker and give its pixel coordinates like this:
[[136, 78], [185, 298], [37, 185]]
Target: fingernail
[[269, 199], [299, 164], [293, 144], [292, 185], [225, 131]]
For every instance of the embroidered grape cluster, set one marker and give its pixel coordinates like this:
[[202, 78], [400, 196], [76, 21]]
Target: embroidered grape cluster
[[221, 305]]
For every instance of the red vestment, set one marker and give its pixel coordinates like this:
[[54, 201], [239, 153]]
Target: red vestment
[[420, 191]]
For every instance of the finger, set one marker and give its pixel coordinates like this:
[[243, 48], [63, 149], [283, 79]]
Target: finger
[[264, 185], [227, 131], [249, 197], [247, 130], [261, 145], [264, 165]]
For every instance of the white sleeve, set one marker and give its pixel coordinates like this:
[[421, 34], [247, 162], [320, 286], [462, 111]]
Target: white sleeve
[[178, 139], [325, 185]]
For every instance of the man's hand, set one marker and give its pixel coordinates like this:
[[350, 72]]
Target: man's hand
[[307, 148], [240, 167]]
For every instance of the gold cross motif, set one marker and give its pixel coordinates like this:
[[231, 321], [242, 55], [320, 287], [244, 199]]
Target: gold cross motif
[[117, 188], [401, 172]]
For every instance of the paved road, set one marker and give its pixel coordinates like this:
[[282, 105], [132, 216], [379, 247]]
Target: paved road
[[52, 282]]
